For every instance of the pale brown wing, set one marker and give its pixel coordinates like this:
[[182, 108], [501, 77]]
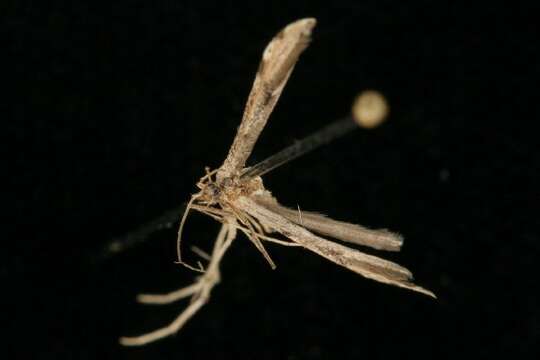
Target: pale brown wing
[[276, 65], [366, 265], [378, 239]]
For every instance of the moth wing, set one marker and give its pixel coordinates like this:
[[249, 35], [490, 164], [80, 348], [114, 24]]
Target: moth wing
[[276, 65], [379, 239], [369, 266]]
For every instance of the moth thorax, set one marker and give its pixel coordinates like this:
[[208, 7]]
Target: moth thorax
[[252, 185]]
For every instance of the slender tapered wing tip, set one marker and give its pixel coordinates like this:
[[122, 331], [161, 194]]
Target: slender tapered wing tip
[[386, 272], [419, 289], [428, 293]]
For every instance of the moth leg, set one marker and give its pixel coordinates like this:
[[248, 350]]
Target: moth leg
[[210, 211], [173, 327], [281, 242], [255, 224], [203, 254], [254, 237], [262, 230], [159, 299], [247, 232], [201, 290]]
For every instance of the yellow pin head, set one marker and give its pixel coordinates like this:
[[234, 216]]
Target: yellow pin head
[[369, 109]]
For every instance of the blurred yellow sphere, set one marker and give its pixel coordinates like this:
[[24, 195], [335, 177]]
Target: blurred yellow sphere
[[370, 109]]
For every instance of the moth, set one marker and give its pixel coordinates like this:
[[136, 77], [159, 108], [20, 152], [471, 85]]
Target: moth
[[234, 195]]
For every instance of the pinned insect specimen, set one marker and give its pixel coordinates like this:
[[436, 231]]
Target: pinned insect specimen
[[235, 195]]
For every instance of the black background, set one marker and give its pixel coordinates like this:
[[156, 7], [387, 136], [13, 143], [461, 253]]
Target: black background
[[113, 111]]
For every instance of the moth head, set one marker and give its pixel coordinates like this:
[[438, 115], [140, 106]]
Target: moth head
[[209, 189], [211, 193]]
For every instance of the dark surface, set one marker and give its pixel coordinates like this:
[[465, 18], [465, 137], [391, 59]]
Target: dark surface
[[114, 111]]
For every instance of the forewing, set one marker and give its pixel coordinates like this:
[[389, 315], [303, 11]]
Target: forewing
[[366, 265], [378, 239], [276, 65]]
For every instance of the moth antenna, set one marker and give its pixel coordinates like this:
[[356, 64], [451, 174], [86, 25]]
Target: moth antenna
[[180, 231]]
